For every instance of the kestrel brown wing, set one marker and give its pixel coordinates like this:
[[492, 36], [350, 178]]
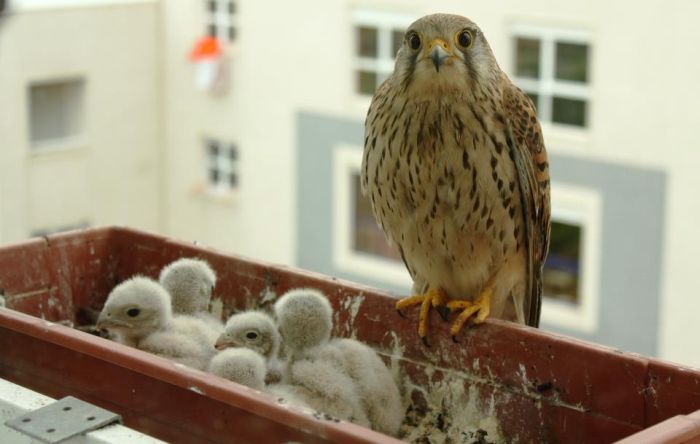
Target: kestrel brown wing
[[527, 145]]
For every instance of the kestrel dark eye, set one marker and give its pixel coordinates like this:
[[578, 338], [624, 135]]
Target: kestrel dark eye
[[465, 39], [133, 312], [251, 335], [414, 41]]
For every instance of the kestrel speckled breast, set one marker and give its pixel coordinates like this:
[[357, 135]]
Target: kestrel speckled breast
[[456, 170]]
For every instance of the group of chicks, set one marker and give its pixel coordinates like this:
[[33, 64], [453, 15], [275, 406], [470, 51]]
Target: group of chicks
[[290, 355]]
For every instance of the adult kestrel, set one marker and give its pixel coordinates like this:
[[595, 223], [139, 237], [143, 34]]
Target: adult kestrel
[[456, 170]]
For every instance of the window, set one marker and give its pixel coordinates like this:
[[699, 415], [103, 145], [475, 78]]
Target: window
[[222, 20], [378, 37], [562, 267], [222, 166], [58, 229], [359, 245], [367, 236], [570, 275], [552, 67], [56, 111]]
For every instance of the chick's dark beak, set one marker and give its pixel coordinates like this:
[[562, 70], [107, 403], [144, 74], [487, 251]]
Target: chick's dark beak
[[438, 54]]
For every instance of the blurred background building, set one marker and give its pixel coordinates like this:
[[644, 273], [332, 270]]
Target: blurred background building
[[239, 124]]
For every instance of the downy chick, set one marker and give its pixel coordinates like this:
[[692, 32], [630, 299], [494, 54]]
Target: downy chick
[[374, 385], [254, 330], [139, 314], [190, 283]]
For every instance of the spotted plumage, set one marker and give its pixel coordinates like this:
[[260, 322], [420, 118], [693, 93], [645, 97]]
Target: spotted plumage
[[456, 171]]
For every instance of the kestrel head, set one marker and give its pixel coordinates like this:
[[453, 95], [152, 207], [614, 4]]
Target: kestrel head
[[444, 52]]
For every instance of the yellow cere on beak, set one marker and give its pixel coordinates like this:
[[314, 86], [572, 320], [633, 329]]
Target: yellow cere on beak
[[438, 52]]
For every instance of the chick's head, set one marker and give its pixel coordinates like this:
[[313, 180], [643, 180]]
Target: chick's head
[[136, 307], [190, 282], [254, 330], [304, 318]]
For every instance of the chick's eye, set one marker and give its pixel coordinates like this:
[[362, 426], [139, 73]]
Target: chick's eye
[[414, 41], [133, 312], [465, 39], [251, 335]]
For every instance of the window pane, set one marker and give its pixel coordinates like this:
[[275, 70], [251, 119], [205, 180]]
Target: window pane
[[527, 58], [212, 6], [368, 237], [569, 111], [367, 41], [572, 62], [367, 82], [534, 97], [562, 268], [211, 30], [233, 154], [397, 40], [56, 110], [233, 180], [231, 33], [213, 147], [213, 176], [231, 8]]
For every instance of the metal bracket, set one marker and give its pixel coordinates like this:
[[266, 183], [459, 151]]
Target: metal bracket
[[62, 419]]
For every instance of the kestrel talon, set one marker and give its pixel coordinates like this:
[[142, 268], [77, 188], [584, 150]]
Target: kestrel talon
[[456, 170]]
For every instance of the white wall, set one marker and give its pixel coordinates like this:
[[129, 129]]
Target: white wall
[[110, 175]]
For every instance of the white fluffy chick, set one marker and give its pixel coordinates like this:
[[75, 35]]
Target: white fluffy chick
[[190, 283], [317, 388], [254, 330], [241, 365], [138, 313], [305, 321]]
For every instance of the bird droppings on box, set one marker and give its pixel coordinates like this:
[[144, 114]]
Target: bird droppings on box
[[196, 389], [443, 410], [350, 306]]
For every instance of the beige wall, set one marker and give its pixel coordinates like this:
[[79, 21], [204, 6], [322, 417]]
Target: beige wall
[[110, 175]]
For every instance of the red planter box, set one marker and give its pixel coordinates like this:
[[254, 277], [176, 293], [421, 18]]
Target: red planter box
[[535, 386]]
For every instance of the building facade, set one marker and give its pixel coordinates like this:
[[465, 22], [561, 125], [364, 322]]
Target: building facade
[[264, 163]]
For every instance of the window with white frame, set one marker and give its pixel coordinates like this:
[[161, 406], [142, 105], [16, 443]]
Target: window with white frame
[[553, 67], [359, 245], [222, 166], [56, 111], [571, 271], [378, 37], [222, 19]]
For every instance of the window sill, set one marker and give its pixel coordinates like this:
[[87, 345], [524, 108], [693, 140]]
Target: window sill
[[566, 137], [204, 193], [57, 148]]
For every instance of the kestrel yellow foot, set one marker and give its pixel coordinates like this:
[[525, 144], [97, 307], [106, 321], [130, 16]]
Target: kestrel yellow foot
[[481, 306], [433, 298]]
